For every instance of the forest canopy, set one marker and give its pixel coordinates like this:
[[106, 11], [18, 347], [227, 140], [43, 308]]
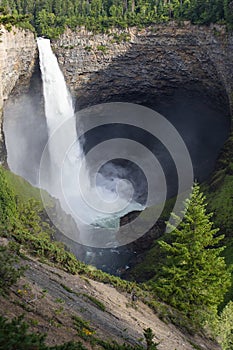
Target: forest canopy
[[49, 18]]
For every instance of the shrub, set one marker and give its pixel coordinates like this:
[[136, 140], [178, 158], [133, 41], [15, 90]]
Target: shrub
[[102, 48], [14, 335], [8, 272], [88, 48], [8, 206], [95, 301]]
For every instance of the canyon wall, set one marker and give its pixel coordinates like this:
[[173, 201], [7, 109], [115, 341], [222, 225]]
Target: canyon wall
[[147, 63], [147, 66], [132, 65], [18, 52]]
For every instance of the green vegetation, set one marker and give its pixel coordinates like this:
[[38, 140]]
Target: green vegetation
[[21, 188], [102, 48], [224, 327], [95, 301], [22, 220], [122, 37], [228, 254], [8, 208], [50, 18], [87, 333], [186, 268], [8, 272], [193, 277], [9, 19], [15, 335], [149, 336], [69, 346], [190, 274], [68, 289], [219, 192], [221, 201], [88, 48]]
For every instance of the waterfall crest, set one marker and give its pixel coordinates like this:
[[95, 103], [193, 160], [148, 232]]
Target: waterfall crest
[[57, 99]]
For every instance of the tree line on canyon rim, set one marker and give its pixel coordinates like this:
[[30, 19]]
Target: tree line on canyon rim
[[49, 18]]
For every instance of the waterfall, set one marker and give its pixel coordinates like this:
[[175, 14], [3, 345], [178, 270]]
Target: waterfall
[[78, 196], [61, 122], [58, 102]]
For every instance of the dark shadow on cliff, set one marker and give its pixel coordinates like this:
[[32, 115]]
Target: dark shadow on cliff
[[197, 106]]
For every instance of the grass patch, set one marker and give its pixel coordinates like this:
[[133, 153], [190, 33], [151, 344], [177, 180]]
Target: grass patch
[[85, 331], [22, 189], [119, 38], [95, 301], [228, 254], [68, 289], [220, 199], [102, 48]]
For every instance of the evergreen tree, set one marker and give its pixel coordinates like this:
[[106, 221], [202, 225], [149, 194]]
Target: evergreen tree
[[228, 12], [194, 277], [50, 17], [224, 327], [149, 336]]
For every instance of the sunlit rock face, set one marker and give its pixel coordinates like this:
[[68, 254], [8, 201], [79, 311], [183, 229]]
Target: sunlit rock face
[[17, 59]]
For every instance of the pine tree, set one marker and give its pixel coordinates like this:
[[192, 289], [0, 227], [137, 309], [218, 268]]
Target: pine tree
[[224, 328], [194, 277], [228, 11], [149, 336]]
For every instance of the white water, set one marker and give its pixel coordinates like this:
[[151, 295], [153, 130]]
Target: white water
[[57, 99], [100, 204]]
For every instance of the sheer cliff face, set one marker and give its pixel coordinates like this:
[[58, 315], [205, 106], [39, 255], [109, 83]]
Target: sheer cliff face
[[142, 66], [151, 62], [17, 58]]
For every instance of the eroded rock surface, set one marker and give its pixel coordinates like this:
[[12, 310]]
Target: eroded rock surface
[[17, 59], [146, 63]]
